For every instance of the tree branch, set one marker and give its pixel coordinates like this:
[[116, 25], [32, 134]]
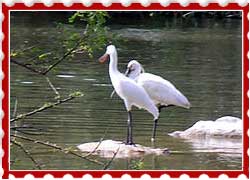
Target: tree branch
[[53, 88], [26, 130], [68, 53], [28, 48], [111, 160], [62, 58], [59, 148], [57, 62], [44, 107], [25, 66], [99, 143], [15, 108], [27, 153]]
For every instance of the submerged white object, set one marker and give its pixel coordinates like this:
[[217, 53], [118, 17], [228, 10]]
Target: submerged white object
[[161, 91], [225, 127], [108, 148]]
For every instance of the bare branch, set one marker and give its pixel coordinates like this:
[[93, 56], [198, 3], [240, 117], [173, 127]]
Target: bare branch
[[26, 130], [25, 66], [62, 58], [53, 88], [44, 107], [27, 153], [15, 108], [69, 52], [111, 160], [15, 113], [28, 48], [59, 148], [90, 153]]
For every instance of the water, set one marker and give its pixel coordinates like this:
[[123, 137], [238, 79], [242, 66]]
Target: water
[[202, 60]]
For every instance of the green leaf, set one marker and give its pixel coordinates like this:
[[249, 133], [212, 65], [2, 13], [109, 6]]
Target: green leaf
[[44, 55], [76, 94]]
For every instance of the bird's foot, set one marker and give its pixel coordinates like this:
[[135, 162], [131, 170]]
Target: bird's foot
[[130, 143], [153, 142]]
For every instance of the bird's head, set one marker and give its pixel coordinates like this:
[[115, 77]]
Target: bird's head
[[109, 51], [134, 69]]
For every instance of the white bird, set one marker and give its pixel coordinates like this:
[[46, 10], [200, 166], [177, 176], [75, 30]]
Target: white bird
[[127, 89], [161, 91]]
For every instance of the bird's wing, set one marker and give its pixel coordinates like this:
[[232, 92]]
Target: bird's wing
[[130, 90], [136, 95], [162, 91]]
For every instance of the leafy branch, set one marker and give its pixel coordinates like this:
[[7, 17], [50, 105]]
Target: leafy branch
[[93, 37], [26, 66], [66, 54], [44, 72]]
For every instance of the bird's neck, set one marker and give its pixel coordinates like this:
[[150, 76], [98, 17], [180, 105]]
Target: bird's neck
[[134, 75], [113, 64]]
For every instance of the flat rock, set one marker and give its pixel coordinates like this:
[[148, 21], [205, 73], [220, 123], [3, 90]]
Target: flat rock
[[108, 148], [224, 127]]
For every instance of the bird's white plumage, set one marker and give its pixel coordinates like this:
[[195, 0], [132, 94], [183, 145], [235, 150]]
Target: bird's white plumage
[[131, 92], [161, 91]]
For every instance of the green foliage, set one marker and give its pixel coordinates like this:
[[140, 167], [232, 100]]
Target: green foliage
[[65, 41], [13, 53], [69, 37], [95, 31], [137, 165], [76, 94], [44, 56], [16, 53]]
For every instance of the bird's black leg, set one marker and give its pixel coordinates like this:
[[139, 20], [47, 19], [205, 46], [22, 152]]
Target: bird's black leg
[[129, 130], [160, 107], [156, 121], [154, 130], [155, 124]]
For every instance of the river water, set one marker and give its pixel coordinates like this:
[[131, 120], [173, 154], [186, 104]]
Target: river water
[[202, 59]]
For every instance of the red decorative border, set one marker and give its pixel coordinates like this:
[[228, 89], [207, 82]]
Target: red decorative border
[[117, 174]]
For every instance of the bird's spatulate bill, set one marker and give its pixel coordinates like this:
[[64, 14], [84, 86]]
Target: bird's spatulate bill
[[103, 58]]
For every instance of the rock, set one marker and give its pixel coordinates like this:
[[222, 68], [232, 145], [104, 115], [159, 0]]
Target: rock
[[108, 148], [224, 127], [222, 136]]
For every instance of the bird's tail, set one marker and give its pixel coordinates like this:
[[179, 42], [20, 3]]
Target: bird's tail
[[183, 101]]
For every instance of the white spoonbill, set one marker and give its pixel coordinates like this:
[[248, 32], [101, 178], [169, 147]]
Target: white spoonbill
[[128, 90], [161, 91]]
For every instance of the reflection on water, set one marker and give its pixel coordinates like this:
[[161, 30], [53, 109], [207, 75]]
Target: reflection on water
[[64, 76], [27, 82], [203, 62], [222, 146]]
